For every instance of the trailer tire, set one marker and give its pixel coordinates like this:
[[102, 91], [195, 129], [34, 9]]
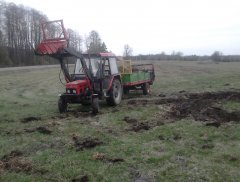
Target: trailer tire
[[95, 105], [146, 88], [62, 105], [115, 95]]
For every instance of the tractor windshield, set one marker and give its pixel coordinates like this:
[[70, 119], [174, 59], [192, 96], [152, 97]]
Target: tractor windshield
[[93, 65]]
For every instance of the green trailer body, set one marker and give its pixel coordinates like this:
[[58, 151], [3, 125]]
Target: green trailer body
[[135, 77], [140, 77]]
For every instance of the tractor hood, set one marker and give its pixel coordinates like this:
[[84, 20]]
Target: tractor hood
[[77, 84]]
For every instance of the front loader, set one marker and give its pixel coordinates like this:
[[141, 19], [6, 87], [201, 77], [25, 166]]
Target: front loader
[[95, 77]]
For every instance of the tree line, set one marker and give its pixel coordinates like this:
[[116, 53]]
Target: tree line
[[20, 32], [216, 56]]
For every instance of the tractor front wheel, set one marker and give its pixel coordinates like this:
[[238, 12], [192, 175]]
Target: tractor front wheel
[[115, 95], [62, 105], [95, 105]]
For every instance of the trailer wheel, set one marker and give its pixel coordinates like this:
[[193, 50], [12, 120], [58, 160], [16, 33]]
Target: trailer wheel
[[146, 88], [62, 105], [95, 105], [115, 93]]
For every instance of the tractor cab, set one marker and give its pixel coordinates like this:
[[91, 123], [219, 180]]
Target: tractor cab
[[102, 67]]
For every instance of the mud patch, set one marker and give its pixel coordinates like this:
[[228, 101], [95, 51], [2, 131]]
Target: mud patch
[[207, 146], [85, 143], [30, 119], [203, 110], [200, 106], [44, 130], [103, 157], [136, 126], [83, 178], [15, 162], [40, 129], [130, 120], [139, 126], [233, 158]]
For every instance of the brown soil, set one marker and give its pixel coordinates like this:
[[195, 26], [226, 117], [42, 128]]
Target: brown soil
[[44, 130], [30, 119], [207, 146], [102, 157], [140, 126], [15, 162], [40, 129], [83, 178], [200, 106], [136, 126], [85, 143]]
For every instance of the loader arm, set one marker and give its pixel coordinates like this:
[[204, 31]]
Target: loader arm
[[57, 47]]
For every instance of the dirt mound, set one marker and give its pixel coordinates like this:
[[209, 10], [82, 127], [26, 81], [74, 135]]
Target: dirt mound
[[103, 157], [30, 119], [203, 110], [40, 129], [130, 120], [185, 97], [15, 162], [44, 130], [83, 178], [139, 126], [200, 106], [136, 126], [85, 143]]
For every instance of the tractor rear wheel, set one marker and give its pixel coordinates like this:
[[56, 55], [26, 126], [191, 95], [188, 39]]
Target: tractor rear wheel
[[146, 88], [115, 95], [95, 105], [62, 105]]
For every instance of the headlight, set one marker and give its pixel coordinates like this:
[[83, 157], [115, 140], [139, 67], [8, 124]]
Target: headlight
[[74, 91], [68, 91]]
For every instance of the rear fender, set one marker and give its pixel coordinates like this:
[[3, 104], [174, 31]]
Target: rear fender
[[113, 77]]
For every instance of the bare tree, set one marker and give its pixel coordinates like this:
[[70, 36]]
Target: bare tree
[[75, 40], [94, 43], [217, 56], [127, 51]]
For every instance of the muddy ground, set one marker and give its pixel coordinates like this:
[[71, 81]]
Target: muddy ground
[[204, 107]]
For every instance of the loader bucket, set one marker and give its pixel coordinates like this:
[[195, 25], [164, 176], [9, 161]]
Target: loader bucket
[[54, 38]]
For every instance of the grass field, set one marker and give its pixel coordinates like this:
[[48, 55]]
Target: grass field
[[179, 132]]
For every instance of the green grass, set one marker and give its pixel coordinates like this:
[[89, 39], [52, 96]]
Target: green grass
[[167, 152]]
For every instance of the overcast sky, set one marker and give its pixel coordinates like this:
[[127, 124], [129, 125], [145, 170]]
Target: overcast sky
[[152, 26]]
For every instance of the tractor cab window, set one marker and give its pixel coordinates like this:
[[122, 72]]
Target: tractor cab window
[[79, 68], [106, 67], [95, 64], [113, 65]]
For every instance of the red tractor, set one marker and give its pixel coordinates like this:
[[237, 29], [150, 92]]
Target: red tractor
[[95, 76]]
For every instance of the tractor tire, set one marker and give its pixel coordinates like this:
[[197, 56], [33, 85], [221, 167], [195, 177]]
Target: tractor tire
[[146, 88], [62, 105], [116, 92], [95, 105]]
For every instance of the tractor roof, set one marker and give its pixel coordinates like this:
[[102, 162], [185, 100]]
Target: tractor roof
[[101, 54]]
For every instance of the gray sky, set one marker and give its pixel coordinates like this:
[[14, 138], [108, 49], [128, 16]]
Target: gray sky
[[152, 26]]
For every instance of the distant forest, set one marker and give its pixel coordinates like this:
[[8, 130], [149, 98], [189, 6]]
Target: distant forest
[[20, 33]]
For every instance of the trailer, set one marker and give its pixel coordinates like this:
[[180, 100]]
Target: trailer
[[136, 76]]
